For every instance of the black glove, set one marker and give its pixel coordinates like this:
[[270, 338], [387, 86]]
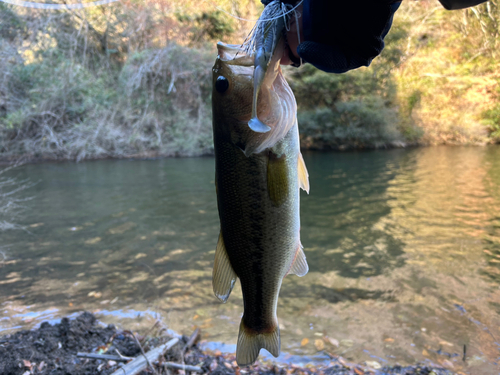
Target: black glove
[[344, 35]]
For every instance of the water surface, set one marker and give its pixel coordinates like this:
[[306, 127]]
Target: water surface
[[403, 248]]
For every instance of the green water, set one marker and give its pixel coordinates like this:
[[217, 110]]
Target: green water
[[403, 248]]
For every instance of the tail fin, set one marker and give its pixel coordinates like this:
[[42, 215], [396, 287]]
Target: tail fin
[[249, 344]]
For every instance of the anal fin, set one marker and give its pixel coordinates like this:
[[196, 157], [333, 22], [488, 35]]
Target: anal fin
[[250, 343], [303, 174], [223, 276], [299, 265]]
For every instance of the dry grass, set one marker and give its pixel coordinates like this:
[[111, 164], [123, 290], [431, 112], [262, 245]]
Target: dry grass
[[134, 80], [114, 81], [62, 96], [11, 205], [447, 82]]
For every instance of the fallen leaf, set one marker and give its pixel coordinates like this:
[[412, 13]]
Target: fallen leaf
[[389, 339], [447, 363], [217, 353], [196, 317], [319, 344], [93, 241], [347, 343], [425, 352], [332, 341], [304, 342], [446, 343], [70, 304], [102, 349], [374, 365]]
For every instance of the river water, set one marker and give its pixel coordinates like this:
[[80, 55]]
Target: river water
[[403, 248]]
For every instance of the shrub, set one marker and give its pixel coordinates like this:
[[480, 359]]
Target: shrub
[[365, 124]]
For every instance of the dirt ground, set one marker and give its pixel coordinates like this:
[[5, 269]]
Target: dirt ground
[[52, 349]]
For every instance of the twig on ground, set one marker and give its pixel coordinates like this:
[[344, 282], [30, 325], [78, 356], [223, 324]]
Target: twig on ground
[[141, 362], [195, 336], [104, 357], [178, 366], [144, 354], [124, 358]]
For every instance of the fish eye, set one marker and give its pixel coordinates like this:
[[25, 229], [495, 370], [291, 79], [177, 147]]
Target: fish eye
[[222, 84]]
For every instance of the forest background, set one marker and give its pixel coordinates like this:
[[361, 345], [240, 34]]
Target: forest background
[[133, 78]]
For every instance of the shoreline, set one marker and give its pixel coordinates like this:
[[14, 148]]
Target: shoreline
[[153, 155], [84, 345]]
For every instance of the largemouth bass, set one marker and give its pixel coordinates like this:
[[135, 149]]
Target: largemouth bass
[[258, 176]]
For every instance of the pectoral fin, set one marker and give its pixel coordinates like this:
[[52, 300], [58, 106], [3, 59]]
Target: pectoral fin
[[299, 265], [223, 277], [303, 174], [277, 179]]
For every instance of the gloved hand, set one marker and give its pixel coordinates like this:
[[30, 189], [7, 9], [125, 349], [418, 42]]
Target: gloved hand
[[339, 36]]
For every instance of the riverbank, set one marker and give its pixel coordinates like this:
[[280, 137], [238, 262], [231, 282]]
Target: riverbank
[[66, 348], [77, 86]]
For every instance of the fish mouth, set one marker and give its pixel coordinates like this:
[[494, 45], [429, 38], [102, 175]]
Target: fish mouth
[[276, 104]]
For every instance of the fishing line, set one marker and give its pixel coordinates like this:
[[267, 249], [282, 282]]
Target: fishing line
[[258, 20], [298, 32], [29, 4]]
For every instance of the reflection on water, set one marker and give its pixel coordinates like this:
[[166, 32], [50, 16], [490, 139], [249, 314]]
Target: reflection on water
[[403, 249]]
